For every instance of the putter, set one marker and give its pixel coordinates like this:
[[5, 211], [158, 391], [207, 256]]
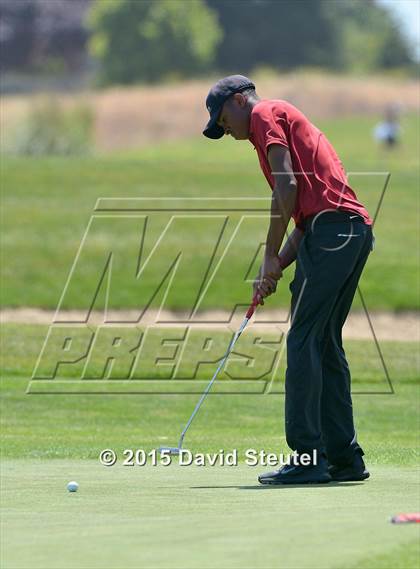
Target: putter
[[250, 312]]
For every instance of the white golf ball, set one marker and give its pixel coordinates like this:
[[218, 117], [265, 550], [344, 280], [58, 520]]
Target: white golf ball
[[72, 486]]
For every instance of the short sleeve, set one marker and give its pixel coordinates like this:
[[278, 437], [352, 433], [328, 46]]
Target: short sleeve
[[268, 130]]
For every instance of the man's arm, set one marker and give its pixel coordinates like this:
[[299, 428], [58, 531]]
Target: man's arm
[[283, 197], [282, 206], [289, 250]]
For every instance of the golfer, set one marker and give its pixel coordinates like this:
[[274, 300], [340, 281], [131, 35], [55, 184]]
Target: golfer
[[330, 243]]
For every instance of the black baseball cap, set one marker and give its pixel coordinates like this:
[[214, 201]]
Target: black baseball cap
[[218, 94]]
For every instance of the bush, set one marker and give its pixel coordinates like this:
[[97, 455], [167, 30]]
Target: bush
[[51, 128]]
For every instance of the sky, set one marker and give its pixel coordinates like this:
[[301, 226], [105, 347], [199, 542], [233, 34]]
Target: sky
[[408, 13]]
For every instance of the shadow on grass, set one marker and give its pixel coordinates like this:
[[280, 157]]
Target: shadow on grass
[[282, 486]]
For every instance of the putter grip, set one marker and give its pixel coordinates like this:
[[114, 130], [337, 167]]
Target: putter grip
[[253, 306]]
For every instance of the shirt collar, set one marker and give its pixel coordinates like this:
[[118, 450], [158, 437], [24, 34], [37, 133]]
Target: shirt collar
[[251, 123]]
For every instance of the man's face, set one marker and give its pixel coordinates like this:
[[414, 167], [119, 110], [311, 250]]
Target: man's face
[[235, 116]]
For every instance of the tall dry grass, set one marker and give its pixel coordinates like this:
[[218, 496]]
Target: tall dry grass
[[129, 117]]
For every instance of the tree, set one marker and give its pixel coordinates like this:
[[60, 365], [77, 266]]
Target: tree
[[33, 33], [282, 34], [371, 40], [343, 35], [146, 40], [17, 37]]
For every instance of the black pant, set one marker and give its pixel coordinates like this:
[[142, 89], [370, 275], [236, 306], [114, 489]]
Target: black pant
[[330, 260]]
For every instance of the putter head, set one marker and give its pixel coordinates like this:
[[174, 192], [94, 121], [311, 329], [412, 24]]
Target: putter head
[[173, 451]]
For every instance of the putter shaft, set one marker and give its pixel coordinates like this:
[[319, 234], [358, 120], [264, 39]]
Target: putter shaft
[[242, 327]]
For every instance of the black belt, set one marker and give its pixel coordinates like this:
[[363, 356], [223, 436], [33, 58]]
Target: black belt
[[333, 217]]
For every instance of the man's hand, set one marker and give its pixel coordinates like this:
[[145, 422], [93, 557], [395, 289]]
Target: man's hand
[[269, 273]]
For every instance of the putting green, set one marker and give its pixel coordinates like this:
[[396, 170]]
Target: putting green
[[198, 517]]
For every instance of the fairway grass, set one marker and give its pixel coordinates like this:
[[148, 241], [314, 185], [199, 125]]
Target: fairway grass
[[79, 425], [192, 517], [48, 203]]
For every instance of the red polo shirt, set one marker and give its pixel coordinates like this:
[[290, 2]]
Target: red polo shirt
[[321, 179]]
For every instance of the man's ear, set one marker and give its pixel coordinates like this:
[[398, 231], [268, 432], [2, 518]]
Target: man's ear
[[240, 99]]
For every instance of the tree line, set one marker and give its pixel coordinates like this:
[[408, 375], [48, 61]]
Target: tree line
[[135, 41]]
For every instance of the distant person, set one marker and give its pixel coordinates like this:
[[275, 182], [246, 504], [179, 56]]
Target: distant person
[[330, 243], [388, 131]]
